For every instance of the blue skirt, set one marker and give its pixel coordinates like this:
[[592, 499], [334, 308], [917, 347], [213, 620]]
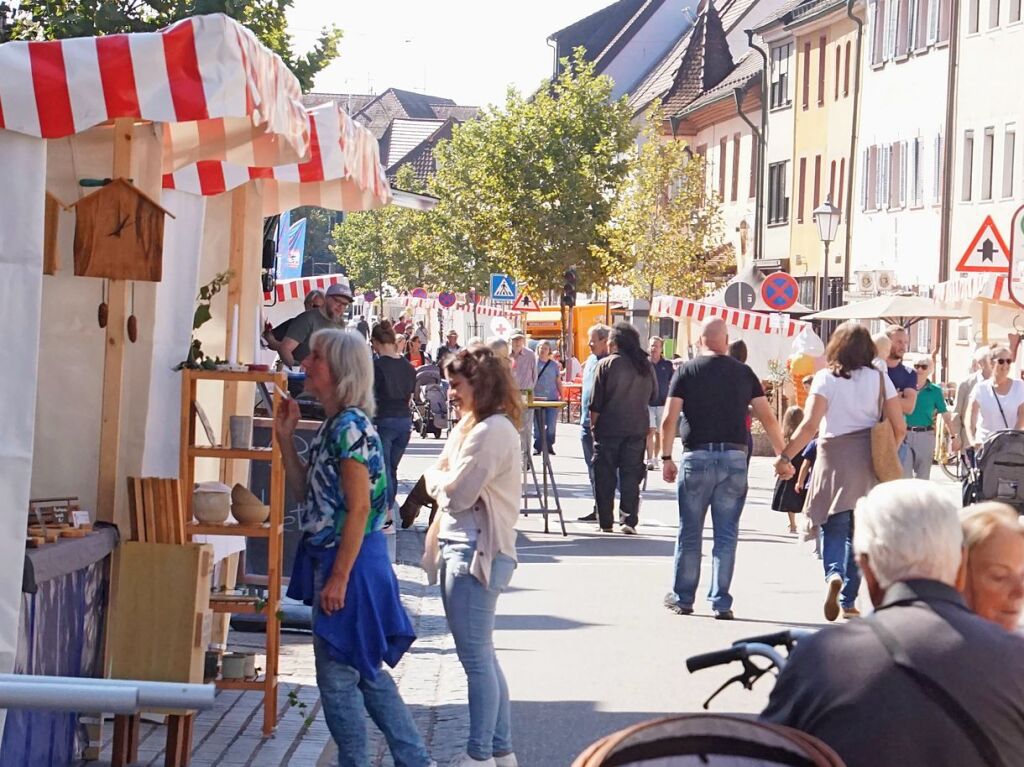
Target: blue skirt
[[373, 627]]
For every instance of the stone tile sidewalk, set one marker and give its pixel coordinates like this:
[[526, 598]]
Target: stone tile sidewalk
[[430, 678]]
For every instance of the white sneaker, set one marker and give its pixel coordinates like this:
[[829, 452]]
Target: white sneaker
[[465, 760], [508, 760], [628, 530]]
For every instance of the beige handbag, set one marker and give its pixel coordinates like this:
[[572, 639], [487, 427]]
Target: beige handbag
[[884, 457]]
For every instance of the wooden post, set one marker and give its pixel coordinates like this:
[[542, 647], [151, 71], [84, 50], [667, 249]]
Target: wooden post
[[231, 471], [113, 360]]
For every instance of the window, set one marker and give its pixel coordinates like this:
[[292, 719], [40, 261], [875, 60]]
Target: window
[[878, 32], [884, 176], [723, 147], [903, 22], [808, 287], [993, 14], [922, 10], [987, 147], [755, 166], [780, 75], [891, 25], [938, 168], [805, 96], [968, 170], [821, 69], [839, 68], [869, 179], [846, 71], [801, 189], [735, 168], [917, 173], [842, 177], [897, 175], [1014, 11], [817, 181], [1009, 157], [934, 11], [778, 197], [973, 12]]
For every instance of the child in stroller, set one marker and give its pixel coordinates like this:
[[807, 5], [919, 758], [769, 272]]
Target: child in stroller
[[430, 404]]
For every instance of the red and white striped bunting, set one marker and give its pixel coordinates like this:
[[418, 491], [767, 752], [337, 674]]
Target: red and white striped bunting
[[343, 171], [992, 287], [221, 93], [483, 310], [683, 308], [287, 290]]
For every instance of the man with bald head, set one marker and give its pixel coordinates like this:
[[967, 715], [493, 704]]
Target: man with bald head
[[713, 391]]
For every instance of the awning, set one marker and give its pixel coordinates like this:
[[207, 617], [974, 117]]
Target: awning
[[287, 290], [899, 310], [989, 287], [683, 308], [220, 92], [342, 172]]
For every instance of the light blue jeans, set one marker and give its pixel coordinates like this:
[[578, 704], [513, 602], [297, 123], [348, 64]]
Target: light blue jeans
[[717, 480], [470, 607], [347, 696]]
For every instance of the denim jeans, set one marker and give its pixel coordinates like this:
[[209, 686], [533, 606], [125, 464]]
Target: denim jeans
[[619, 462], [544, 422], [717, 480], [469, 607], [838, 557], [394, 437], [587, 441], [347, 696]]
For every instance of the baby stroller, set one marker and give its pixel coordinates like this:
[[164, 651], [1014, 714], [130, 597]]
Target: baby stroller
[[998, 472], [430, 404]]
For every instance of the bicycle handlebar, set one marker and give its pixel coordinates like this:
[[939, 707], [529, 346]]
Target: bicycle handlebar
[[716, 658], [772, 640]]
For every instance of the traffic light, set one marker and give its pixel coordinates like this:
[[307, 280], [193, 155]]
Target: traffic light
[[569, 287]]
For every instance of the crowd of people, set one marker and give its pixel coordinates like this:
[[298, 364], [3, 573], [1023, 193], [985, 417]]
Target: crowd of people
[[947, 587]]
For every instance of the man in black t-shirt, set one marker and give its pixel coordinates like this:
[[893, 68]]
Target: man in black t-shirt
[[713, 391]]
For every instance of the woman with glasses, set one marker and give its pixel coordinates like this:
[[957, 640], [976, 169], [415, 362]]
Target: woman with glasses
[[997, 403], [920, 439]]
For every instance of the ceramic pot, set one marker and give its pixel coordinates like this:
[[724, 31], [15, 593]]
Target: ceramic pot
[[246, 508], [232, 665], [211, 503]]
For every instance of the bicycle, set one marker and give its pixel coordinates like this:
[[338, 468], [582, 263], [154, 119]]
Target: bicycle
[[744, 650]]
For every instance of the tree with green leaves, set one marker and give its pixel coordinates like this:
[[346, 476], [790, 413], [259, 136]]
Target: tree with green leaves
[[533, 183], [666, 224], [60, 19]]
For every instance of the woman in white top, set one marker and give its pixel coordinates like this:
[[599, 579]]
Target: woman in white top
[[477, 483], [843, 406], [997, 403]]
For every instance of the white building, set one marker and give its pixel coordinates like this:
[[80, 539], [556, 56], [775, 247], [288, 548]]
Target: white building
[[897, 211]]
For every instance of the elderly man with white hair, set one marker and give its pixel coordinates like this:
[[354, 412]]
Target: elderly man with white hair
[[922, 682]]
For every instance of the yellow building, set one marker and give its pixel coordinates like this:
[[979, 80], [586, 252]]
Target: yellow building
[[825, 41]]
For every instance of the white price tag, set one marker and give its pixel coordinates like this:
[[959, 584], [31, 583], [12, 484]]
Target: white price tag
[[80, 518]]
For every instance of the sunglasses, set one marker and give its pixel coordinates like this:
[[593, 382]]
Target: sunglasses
[[921, 367], [1002, 361]]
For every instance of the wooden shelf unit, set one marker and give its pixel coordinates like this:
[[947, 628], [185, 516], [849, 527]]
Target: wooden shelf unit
[[273, 531]]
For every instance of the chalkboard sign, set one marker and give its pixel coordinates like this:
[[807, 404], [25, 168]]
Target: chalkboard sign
[[259, 483]]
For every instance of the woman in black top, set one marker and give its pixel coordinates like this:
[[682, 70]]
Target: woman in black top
[[394, 379]]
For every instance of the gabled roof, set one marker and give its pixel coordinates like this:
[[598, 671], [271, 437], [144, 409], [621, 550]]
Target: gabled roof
[[796, 12], [460, 113], [747, 69], [404, 135], [705, 63], [394, 103], [598, 30], [350, 102], [664, 76], [421, 157]]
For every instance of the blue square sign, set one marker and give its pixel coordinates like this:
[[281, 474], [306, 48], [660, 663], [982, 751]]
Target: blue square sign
[[503, 288]]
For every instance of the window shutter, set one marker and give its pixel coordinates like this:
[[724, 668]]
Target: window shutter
[[921, 24], [801, 191], [735, 167], [902, 28], [846, 71], [840, 200], [903, 174], [817, 181], [878, 32], [884, 155], [822, 52], [806, 95], [865, 179]]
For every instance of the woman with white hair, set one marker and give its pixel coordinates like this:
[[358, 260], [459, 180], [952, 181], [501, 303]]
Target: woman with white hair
[[342, 567], [997, 403], [994, 546]]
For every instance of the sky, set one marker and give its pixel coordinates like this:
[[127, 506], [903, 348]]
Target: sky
[[466, 50]]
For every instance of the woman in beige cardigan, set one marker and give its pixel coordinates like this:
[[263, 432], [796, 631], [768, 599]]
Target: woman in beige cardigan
[[477, 483]]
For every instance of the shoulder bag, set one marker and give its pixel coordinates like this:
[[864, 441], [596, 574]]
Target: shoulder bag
[[884, 457], [940, 695]]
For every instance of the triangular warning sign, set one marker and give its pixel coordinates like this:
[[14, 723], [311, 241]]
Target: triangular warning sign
[[504, 289], [987, 251], [524, 303]]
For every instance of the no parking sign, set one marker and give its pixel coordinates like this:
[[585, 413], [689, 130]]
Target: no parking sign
[[779, 290]]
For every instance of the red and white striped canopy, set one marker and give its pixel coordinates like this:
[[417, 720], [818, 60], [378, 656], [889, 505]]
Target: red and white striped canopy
[[288, 290], [989, 286], [343, 171], [483, 310], [684, 308], [220, 92]]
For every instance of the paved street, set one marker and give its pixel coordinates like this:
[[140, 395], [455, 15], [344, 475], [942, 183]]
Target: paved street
[[583, 638]]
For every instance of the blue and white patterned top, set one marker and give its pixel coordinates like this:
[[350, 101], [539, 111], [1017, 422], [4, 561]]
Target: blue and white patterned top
[[349, 434]]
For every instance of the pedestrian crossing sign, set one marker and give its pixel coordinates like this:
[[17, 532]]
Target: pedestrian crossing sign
[[503, 288]]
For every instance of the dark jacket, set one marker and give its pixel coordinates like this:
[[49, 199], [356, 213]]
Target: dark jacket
[[621, 397], [842, 686]]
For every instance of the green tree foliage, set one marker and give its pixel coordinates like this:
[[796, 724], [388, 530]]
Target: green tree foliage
[[59, 19], [532, 184], [665, 225]]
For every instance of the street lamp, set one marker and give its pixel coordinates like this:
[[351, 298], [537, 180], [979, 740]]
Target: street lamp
[[826, 216]]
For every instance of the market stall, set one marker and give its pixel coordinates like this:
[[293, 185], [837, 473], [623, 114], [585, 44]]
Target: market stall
[[769, 337], [990, 315], [79, 415]]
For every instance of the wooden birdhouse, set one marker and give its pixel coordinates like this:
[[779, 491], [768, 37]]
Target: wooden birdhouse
[[119, 234]]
